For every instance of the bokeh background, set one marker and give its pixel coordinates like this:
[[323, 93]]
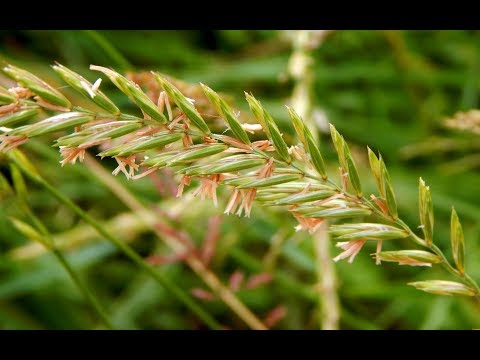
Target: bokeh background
[[391, 90]]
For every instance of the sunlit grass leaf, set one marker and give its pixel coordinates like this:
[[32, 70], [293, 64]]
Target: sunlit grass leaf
[[37, 85], [458, 242]]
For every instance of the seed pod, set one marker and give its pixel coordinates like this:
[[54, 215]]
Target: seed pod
[[37, 85], [442, 287], [458, 242], [183, 103], [84, 87]]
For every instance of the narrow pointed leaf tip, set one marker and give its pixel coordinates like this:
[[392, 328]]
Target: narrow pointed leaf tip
[[29, 232], [84, 87], [426, 211], [338, 142], [183, 103], [410, 257], [458, 242], [352, 171], [298, 125], [388, 188], [314, 152], [375, 165], [346, 160], [442, 287], [134, 92], [270, 127], [368, 231], [224, 110], [37, 85]]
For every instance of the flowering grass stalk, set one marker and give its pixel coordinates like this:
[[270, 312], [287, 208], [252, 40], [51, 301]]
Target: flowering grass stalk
[[268, 171]]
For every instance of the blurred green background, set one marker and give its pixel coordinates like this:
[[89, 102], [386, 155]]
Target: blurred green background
[[390, 90]]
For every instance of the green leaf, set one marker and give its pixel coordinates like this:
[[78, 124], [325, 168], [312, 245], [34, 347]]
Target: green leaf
[[183, 103], [458, 242], [102, 131], [19, 116], [258, 112], [52, 124], [202, 151], [272, 180], [29, 232], [238, 181], [84, 87], [299, 126], [442, 287], [367, 230], [6, 97], [270, 127], [23, 162], [134, 92], [177, 157], [147, 143], [315, 155], [37, 85], [161, 160], [377, 172], [340, 213], [410, 257], [19, 183], [339, 144], [352, 171], [276, 138], [224, 110], [5, 188], [223, 167], [426, 211], [303, 198], [389, 194]]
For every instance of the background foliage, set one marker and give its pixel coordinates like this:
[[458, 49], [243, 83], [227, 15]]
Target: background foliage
[[388, 90]]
